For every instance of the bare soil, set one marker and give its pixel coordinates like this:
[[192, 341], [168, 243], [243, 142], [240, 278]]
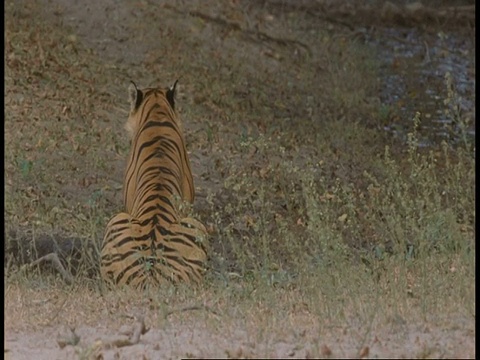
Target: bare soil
[[201, 325]]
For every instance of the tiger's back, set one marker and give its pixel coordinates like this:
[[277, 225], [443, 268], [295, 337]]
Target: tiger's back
[[150, 242]]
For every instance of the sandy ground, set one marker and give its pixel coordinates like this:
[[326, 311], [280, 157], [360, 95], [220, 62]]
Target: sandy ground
[[194, 342], [198, 332]]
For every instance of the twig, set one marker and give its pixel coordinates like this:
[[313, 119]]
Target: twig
[[58, 312], [427, 52], [40, 49], [190, 308], [122, 341]]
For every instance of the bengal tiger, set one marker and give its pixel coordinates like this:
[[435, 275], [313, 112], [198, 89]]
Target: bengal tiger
[[150, 243]]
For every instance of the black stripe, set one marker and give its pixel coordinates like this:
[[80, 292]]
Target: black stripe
[[168, 124]]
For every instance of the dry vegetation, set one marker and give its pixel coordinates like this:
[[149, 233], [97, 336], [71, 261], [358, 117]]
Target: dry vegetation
[[324, 228]]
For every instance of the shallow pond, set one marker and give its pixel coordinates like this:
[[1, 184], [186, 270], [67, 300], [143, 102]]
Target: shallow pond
[[413, 70]]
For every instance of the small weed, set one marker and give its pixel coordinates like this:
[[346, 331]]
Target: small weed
[[459, 123]]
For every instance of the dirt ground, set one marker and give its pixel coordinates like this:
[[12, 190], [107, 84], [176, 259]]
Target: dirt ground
[[191, 338], [84, 325], [77, 323]]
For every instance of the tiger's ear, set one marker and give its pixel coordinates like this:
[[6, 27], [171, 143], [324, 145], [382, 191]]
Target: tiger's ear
[[135, 97], [171, 95]]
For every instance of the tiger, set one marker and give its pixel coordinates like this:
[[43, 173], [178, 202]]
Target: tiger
[[150, 243]]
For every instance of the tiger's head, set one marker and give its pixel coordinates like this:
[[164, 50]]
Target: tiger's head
[[139, 99]]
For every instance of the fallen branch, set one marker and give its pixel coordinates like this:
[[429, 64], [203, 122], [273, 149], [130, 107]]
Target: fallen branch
[[67, 255], [351, 15], [57, 264]]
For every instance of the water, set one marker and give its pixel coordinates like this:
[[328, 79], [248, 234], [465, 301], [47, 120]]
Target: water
[[412, 76]]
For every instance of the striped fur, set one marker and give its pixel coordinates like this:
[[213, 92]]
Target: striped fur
[[150, 243]]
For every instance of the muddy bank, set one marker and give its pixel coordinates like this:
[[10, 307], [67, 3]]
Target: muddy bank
[[415, 44]]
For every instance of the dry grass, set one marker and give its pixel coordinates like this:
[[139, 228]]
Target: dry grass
[[323, 226]]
